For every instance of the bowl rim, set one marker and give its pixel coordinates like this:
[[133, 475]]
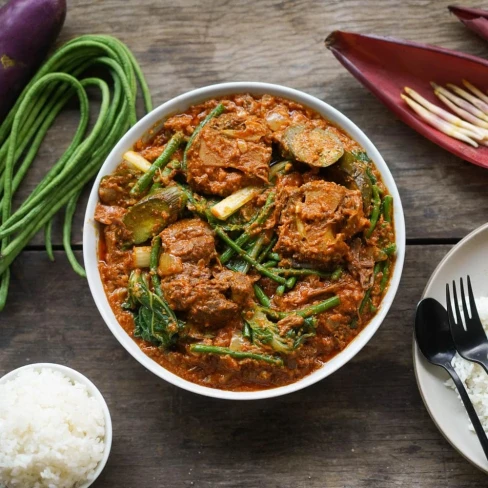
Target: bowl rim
[[178, 104], [92, 390]]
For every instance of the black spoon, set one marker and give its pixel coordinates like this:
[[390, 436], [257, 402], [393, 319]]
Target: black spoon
[[435, 341]]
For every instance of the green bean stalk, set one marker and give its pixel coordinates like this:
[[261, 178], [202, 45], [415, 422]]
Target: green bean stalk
[[147, 178], [306, 312], [246, 236], [253, 251], [246, 257], [225, 351], [388, 208], [367, 296], [375, 213]]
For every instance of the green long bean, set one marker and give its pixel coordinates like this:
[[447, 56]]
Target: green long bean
[[291, 282], [246, 236], [375, 214], [386, 275], [281, 290], [336, 274], [68, 221], [267, 249], [48, 241], [225, 351], [24, 128], [263, 299], [156, 282], [305, 312], [146, 179], [253, 253], [319, 307], [238, 250], [299, 272], [390, 249], [388, 208]]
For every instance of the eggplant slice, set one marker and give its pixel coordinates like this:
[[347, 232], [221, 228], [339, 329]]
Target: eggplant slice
[[153, 213], [315, 147]]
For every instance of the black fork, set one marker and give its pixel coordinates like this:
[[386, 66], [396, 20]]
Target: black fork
[[470, 341]]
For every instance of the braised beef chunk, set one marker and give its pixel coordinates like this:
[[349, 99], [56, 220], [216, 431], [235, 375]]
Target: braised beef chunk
[[190, 240], [115, 231], [214, 311], [107, 214], [210, 296], [238, 284], [361, 260], [229, 154], [182, 288], [316, 219], [115, 189]]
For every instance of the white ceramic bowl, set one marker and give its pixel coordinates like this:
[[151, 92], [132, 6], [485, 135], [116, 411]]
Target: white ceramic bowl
[[180, 104], [92, 390]]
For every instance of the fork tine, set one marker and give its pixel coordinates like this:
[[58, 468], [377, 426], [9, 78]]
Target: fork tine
[[450, 313], [456, 303], [463, 300], [457, 329], [472, 303]]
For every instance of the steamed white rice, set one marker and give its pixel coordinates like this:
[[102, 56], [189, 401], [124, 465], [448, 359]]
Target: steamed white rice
[[51, 431], [474, 376]]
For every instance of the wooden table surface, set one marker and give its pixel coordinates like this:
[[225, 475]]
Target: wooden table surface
[[364, 426]]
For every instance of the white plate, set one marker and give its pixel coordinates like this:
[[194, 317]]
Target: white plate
[[470, 256]]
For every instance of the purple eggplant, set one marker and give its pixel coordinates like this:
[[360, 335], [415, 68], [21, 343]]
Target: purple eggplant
[[28, 28]]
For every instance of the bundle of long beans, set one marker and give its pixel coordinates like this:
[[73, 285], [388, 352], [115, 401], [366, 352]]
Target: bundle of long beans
[[57, 82]]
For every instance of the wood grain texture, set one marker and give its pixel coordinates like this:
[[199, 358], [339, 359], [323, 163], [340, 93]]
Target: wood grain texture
[[363, 427], [188, 44]]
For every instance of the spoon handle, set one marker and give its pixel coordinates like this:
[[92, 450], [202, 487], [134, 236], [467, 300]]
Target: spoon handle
[[473, 416]]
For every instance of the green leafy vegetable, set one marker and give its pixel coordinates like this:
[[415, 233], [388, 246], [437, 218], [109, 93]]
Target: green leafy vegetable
[[155, 321]]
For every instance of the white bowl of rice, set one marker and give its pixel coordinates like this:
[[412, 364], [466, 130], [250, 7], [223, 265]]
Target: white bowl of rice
[[55, 428]]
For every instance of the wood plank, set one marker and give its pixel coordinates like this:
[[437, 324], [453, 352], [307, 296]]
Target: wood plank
[[187, 44], [365, 426]]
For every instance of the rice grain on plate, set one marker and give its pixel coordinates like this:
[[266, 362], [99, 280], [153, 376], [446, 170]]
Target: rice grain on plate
[[474, 376], [51, 431]]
